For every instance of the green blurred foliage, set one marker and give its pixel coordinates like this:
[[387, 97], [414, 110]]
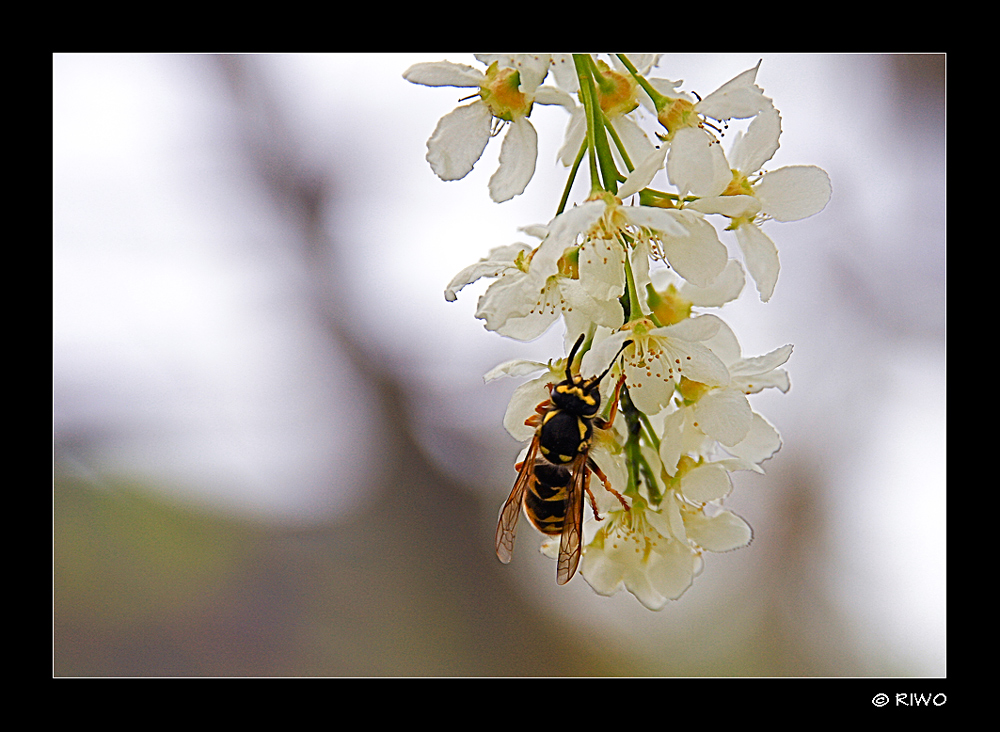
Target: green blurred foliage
[[147, 588]]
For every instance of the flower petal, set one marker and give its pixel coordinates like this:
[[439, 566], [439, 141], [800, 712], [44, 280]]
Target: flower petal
[[516, 312], [698, 257], [739, 97], [597, 358], [699, 363], [699, 328], [576, 131], [671, 572], [634, 138], [721, 533], [517, 161], [725, 415], [761, 442], [643, 173], [759, 365], [581, 308], [758, 145], [696, 164], [706, 483], [515, 367], [513, 294], [725, 288], [761, 258], [553, 95], [602, 268], [731, 206], [444, 73], [795, 192], [499, 259], [671, 445], [522, 405], [660, 220], [459, 140]]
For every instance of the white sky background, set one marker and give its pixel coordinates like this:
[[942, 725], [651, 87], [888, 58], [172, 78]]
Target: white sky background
[[181, 351]]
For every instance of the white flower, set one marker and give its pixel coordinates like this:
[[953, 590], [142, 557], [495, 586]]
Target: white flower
[[684, 295], [507, 93], [723, 413], [683, 239], [585, 280], [534, 287], [629, 551], [787, 194], [696, 163], [655, 554], [492, 265], [659, 356]]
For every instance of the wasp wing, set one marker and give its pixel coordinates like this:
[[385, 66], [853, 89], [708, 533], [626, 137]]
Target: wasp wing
[[511, 511], [570, 541]]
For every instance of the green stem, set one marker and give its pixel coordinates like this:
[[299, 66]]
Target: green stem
[[635, 311], [659, 101], [652, 487], [600, 151], [587, 97], [607, 86], [572, 177], [631, 442], [650, 432], [618, 142]]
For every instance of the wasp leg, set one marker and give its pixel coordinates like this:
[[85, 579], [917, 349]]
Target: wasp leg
[[593, 501], [607, 486], [540, 411], [605, 424]]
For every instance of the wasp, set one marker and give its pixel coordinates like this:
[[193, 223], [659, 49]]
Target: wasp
[[555, 473]]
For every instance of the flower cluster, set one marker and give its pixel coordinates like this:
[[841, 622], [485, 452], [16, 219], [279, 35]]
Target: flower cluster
[[638, 271]]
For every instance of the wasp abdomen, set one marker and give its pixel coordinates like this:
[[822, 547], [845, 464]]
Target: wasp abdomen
[[545, 500]]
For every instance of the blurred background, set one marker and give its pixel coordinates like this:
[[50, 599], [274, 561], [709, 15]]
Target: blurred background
[[274, 453]]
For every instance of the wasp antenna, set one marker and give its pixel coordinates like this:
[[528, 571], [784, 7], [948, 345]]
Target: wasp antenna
[[625, 345], [572, 353]]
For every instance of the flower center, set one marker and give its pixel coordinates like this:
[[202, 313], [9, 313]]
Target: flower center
[[668, 307], [501, 94], [738, 186], [616, 92], [692, 391], [678, 114]]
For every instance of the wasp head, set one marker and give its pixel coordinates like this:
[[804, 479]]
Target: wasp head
[[578, 395]]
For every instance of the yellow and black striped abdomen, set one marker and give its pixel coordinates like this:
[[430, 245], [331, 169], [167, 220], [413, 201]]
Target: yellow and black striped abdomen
[[545, 500]]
